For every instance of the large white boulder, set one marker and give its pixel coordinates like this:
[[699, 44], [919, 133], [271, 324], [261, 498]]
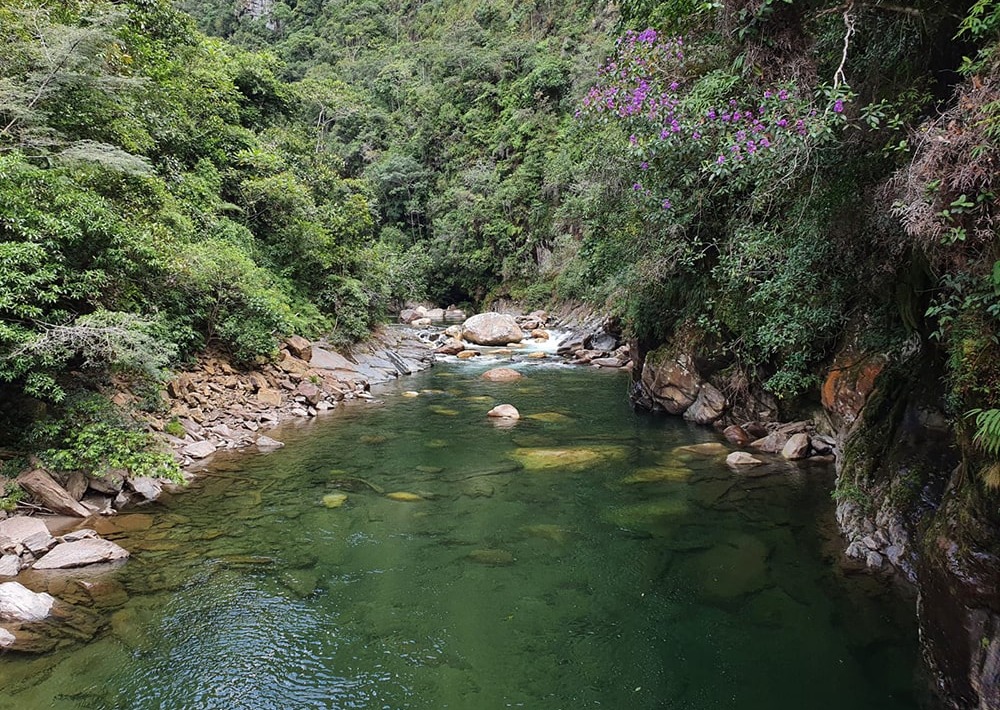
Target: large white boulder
[[492, 329], [18, 603]]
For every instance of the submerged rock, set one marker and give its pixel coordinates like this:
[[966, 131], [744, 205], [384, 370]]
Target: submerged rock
[[404, 497], [491, 557], [659, 474], [334, 500], [536, 459], [502, 374], [18, 603]]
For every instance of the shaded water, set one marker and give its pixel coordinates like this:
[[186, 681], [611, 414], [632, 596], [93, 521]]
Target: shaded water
[[579, 559]]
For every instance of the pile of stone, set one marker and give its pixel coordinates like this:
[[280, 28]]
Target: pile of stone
[[27, 543], [215, 406], [794, 441], [422, 316]]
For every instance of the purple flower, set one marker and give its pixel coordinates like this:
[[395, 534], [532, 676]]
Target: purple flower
[[838, 106], [632, 139], [782, 122], [711, 113], [720, 160], [751, 147], [644, 166], [765, 143], [637, 187], [696, 135], [666, 204], [768, 94], [674, 86], [783, 95]]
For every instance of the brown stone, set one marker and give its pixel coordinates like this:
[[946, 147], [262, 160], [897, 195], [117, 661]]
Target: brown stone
[[671, 381], [708, 407], [735, 434], [468, 354], [850, 382], [299, 347], [797, 447], [268, 396], [50, 494], [451, 347], [310, 391], [492, 329]]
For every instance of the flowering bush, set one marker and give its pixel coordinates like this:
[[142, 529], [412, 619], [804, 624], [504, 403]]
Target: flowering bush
[[675, 129]]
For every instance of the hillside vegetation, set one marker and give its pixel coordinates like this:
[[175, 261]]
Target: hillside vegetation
[[764, 176]]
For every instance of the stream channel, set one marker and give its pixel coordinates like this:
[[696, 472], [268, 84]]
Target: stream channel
[[585, 557]]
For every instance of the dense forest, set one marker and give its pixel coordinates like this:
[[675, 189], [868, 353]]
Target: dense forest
[[761, 181]]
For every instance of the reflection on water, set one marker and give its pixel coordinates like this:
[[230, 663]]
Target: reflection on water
[[585, 557]]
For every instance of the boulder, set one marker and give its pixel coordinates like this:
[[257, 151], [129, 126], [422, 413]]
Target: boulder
[[736, 434], [199, 449], [435, 314], [328, 360], [266, 443], [299, 347], [492, 329], [44, 489], [81, 553], [111, 483], [571, 343], [540, 334], [147, 487], [797, 447], [20, 528], [504, 411], [708, 407], [408, 315], [18, 603], [454, 314], [451, 347], [468, 354], [311, 392], [603, 341], [742, 458], [773, 443], [6, 638], [454, 331], [502, 374], [670, 381], [421, 323], [10, 565]]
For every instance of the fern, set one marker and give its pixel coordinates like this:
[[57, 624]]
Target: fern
[[987, 435]]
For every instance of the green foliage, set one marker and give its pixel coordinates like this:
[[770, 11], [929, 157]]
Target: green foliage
[[93, 436], [987, 435]]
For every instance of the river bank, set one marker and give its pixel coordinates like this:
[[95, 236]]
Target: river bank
[[584, 552]]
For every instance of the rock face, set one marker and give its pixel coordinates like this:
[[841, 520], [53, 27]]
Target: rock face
[[80, 553], [18, 603], [492, 329], [670, 382], [708, 407]]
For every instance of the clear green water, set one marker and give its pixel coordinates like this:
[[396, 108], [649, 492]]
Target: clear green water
[[642, 577]]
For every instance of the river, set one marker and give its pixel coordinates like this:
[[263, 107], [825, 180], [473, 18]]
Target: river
[[586, 557]]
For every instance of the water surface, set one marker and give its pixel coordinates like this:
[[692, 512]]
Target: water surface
[[583, 558]]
